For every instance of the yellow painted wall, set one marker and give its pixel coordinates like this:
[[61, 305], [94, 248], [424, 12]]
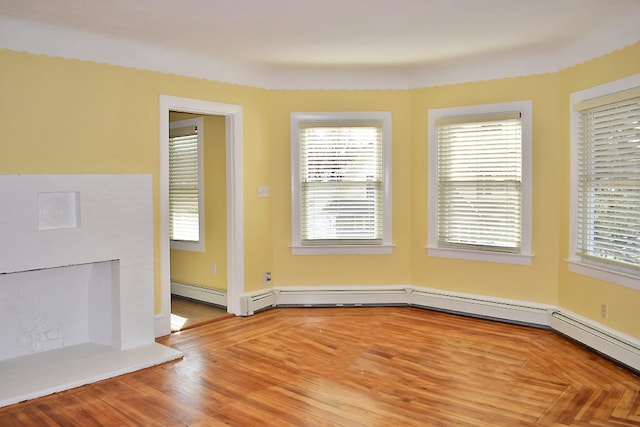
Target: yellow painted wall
[[68, 116], [538, 282], [195, 267], [581, 294]]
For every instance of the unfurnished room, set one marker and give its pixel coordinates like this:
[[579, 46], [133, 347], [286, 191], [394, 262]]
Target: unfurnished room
[[329, 213]]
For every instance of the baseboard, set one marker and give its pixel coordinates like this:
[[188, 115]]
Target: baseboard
[[252, 302], [609, 342], [317, 296], [502, 309], [472, 305], [200, 293]]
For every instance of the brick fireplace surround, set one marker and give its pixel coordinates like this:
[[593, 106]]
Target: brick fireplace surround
[[76, 282]]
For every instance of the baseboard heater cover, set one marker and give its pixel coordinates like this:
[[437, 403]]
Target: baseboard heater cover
[[200, 293], [472, 305], [253, 302], [316, 297], [512, 311], [610, 343]]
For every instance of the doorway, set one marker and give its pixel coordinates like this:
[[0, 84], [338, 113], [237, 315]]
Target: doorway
[[234, 205]]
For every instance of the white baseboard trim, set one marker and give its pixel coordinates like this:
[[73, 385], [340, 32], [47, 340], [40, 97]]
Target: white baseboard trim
[[200, 293], [315, 296], [502, 309], [607, 341], [256, 301], [611, 343]]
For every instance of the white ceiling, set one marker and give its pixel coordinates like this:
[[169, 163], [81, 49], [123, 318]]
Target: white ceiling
[[338, 34]]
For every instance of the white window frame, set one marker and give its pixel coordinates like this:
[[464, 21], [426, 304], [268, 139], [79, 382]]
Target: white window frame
[[433, 248], [297, 247], [195, 246], [576, 264]]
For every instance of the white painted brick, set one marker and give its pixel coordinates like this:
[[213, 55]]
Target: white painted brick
[[115, 223]]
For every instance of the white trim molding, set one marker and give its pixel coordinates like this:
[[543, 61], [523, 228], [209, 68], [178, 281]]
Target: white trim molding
[[609, 342], [614, 344], [235, 206]]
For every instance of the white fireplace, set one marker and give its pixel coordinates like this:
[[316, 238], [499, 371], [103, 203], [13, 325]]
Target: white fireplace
[[76, 281]]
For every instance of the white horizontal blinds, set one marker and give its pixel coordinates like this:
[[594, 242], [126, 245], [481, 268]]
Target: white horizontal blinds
[[480, 182], [609, 179], [341, 183], [183, 184]]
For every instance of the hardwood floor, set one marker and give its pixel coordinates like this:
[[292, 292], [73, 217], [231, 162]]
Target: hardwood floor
[[383, 366], [188, 313]]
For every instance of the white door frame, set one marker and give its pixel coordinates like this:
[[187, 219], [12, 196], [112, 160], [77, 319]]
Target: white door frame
[[235, 215]]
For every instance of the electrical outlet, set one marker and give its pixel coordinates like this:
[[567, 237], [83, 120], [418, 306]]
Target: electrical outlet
[[604, 311], [267, 278], [213, 269]]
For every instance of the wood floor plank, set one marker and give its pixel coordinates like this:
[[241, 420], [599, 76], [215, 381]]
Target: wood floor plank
[[355, 367]]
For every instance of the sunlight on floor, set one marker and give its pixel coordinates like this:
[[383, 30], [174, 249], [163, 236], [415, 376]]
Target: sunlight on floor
[[177, 322], [186, 312]]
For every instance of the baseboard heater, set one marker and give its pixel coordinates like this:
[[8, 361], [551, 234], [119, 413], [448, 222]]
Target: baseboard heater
[[494, 308], [504, 310], [252, 303], [200, 293], [612, 344], [340, 297], [321, 298]]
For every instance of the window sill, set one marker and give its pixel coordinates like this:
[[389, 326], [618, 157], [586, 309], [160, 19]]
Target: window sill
[[342, 250], [604, 274], [474, 255]]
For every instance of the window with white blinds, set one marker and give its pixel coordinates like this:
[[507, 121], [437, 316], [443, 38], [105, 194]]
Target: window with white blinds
[[480, 181], [185, 184], [340, 181], [608, 181]]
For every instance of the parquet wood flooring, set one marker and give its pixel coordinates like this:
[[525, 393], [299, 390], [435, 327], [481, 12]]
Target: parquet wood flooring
[[373, 366]]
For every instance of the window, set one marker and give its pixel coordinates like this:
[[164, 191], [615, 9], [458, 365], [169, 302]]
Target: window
[[341, 174], [605, 215], [185, 185], [480, 183]]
